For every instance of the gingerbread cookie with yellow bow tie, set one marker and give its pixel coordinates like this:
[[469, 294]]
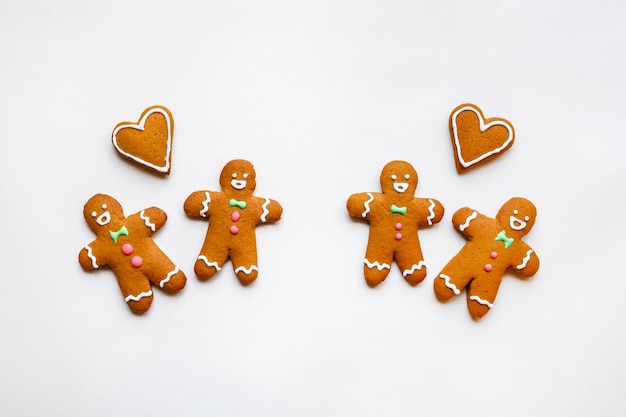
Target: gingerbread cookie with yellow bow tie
[[395, 215], [233, 214], [494, 245], [125, 245]]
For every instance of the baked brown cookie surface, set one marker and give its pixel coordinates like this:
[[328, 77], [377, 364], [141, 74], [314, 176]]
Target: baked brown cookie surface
[[233, 215], [494, 246], [475, 139], [147, 142], [395, 215], [125, 245]]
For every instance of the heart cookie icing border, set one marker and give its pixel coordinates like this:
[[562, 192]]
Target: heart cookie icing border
[[140, 125], [494, 121]]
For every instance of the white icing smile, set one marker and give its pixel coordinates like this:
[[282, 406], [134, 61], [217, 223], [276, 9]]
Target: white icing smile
[[104, 218], [238, 184], [517, 224], [400, 187]]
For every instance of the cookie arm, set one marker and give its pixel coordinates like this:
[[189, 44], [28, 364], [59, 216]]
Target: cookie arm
[[153, 218], [432, 211], [271, 211], [87, 257], [358, 205], [466, 220], [529, 264], [198, 204]]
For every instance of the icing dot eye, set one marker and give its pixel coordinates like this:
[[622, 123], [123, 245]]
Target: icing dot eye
[[245, 176], [234, 175], [94, 214], [526, 218], [515, 212], [407, 176], [394, 177], [104, 207]]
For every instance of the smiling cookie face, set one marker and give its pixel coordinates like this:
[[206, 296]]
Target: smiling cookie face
[[238, 178], [399, 177], [518, 215], [101, 210]]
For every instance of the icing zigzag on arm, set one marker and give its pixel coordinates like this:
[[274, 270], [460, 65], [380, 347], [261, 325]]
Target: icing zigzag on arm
[[205, 204], [265, 210], [92, 257], [468, 220], [367, 204], [146, 220], [431, 211], [525, 260]]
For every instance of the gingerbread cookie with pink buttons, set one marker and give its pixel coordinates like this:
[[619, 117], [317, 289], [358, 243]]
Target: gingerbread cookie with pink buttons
[[494, 246], [125, 245], [233, 214], [395, 215]]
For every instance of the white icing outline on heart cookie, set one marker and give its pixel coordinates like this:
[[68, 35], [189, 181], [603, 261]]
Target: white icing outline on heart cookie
[[483, 127], [141, 127]]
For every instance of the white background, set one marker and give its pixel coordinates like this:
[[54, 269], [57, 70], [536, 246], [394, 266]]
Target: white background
[[319, 96]]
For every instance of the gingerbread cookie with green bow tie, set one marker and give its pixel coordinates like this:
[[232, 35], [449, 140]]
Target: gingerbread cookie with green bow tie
[[233, 215], [494, 246], [125, 245], [395, 215]]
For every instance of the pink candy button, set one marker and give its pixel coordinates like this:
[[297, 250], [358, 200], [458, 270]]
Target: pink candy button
[[234, 230], [127, 249], [398, 226], [493, 255], [488, 267], [136, 261], [235, 216], [398, 236]]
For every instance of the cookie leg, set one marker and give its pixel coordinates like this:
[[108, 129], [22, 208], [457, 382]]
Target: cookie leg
[[412, 266], [161, 271], [137, 292], [174, 280], [210, 261], [481, 294], [245, 264], [452, 279], [376, 267]]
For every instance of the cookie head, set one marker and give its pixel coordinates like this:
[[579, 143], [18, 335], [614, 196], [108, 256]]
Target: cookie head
[[517, 215], [101, 210], [238, 178], [399, 177]]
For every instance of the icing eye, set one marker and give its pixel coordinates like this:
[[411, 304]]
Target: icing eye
[[234, 175], [526, 218], [394, 177], [104, 207], [515, 212], [94, 214], [245, 176], [407, 176]]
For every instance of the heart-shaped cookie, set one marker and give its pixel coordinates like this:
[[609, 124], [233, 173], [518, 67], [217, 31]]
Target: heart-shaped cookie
[[475, 139], [149, 141]]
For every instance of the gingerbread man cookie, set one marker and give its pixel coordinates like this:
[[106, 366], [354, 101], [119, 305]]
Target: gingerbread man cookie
[[126, 246], [494, 245], [395, 216], [233, 214]]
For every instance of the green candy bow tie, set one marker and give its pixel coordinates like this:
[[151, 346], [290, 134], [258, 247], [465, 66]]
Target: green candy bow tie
[[240, 204], [114, 235], [396, 209], [508, 241]]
